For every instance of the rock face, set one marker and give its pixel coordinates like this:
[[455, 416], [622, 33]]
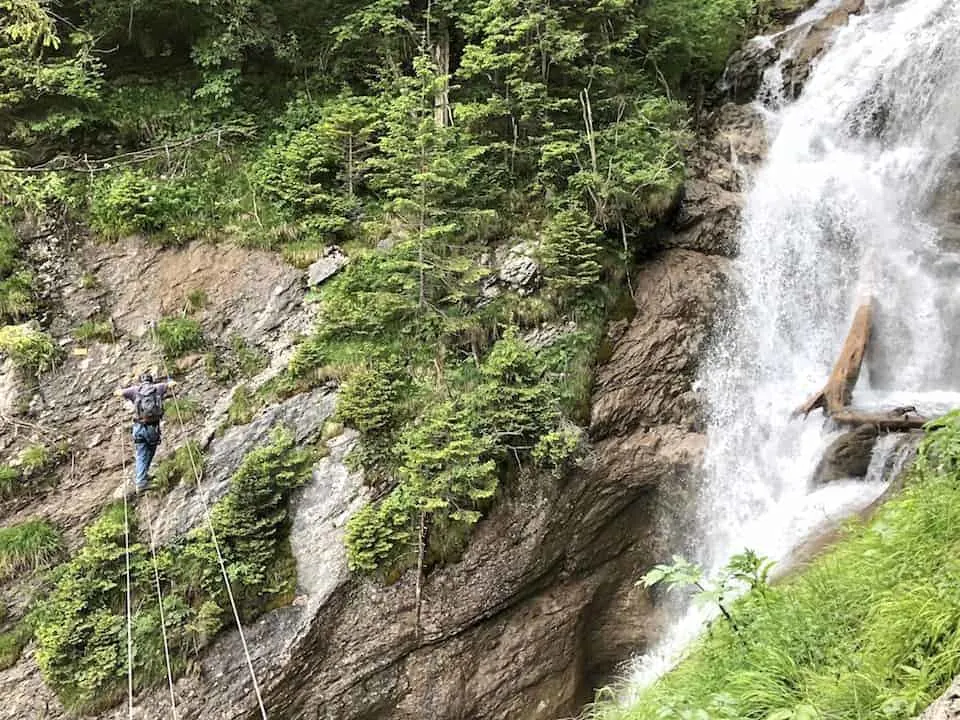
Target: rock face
[[543, 602]]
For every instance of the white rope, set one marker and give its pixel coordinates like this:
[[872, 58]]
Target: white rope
[[126, 539], [163, 621], [216, 542]]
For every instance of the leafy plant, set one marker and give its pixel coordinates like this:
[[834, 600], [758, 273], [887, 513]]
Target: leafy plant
[[30, 349], [178, 336], [28, 546], [12, 644], [94, 331]]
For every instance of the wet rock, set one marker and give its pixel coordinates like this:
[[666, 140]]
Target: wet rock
[[848, 456], [648, 379], [330, 263]]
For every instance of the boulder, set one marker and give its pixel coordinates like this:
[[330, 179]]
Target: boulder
[[848, 456], [329, 264]]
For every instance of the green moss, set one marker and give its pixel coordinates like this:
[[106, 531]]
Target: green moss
[[868, 631]]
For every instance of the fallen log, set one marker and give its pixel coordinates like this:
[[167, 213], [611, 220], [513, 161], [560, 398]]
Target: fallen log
[[838, 392], [884, 422]]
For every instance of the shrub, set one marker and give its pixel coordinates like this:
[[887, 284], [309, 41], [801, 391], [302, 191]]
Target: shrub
[[178, 336], [29, 348], [182, 408], [12, 644], [94, 331], [176, 468], [79, 627], [28, 546]]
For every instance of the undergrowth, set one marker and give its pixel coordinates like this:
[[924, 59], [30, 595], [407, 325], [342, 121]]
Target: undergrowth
[[181, 466], [28, 546], [79, 627], [30, 349], [870, 630], [178, 336]]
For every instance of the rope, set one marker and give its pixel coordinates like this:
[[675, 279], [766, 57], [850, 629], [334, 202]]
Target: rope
[[126, 540], [216, 543], [156, 577]]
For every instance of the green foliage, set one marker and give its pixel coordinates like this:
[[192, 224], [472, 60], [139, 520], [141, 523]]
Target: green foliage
[[31, 350], [244, 405], [178, 336], [179, 467], [12, 644], [182, 408], [94, 331], [570, 252], [80, 627], [28, 546], [447, 462], [868, 630]]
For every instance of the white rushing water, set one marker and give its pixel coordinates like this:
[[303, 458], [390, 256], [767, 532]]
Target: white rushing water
[[840, 210]]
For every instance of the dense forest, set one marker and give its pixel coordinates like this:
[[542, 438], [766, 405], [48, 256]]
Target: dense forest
[[423, 138]]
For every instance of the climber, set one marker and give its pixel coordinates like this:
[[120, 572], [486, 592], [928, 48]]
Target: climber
[[147, 398]]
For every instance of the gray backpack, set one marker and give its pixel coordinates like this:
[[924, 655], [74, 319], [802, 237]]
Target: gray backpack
[[149, 404]]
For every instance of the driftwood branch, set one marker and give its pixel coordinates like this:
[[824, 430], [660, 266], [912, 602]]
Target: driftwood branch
[[838, 392], [835, 397]]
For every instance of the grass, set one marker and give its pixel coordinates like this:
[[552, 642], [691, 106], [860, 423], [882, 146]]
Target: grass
[[10, 482], [196, 300], [94, 331], [30, 349], [12, 644], [28, 547], [244, 405], [871, 630], [303, 253], [182, 408], [178, 336], [176, 468]]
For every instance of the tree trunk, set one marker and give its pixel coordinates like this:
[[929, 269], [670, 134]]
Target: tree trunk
[[885, 422], [838, 392], [442, 115]]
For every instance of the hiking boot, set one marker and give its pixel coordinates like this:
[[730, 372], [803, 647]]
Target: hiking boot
[[129, 490]]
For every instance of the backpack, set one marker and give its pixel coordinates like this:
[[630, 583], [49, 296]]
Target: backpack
[[149, 404]]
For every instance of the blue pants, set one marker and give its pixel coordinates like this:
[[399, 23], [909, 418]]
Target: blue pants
[[146, 438]]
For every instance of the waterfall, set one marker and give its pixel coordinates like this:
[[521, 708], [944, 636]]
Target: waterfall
[[848, 203]]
